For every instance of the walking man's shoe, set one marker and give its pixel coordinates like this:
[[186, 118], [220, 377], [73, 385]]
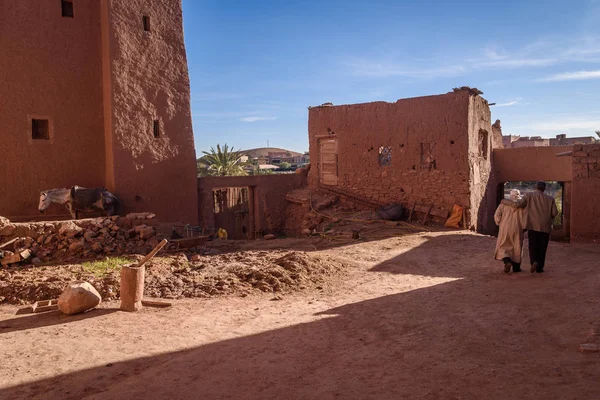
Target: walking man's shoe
[[507, 266], [534, 267]]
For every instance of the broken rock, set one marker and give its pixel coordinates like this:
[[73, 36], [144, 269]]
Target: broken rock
[[146, 232], [97, 247], [78, 297], [69, 229], [7, 230], [76, 247]]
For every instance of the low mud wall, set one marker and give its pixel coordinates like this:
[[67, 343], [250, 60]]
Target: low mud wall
[[267, 199], [77, 239]]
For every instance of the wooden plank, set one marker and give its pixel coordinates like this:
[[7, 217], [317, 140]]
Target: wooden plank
[[440, 212], [16, 258], [422, 208], [44, 306], [3, 246], [155, 303], [412, 210], [464, 218], [427, 215]]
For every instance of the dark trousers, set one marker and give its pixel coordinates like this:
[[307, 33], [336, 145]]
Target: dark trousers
[[538, 245]]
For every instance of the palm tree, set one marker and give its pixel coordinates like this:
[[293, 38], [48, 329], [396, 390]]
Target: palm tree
[[221, 162]]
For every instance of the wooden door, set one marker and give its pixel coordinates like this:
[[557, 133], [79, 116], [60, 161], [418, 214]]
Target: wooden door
[[328, 162], [232, 212]]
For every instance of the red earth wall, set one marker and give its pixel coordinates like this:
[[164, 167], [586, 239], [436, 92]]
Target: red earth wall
[[50, 68], [149, 81], [445, 123], [269, 198], [101, 81], [585, 201]]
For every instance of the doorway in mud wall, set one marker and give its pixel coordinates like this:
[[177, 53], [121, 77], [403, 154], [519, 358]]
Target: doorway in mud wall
[[233, 211], [560, 191]]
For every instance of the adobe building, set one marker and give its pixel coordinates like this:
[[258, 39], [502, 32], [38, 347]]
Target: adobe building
[[513, 141], [431, 150], [96, 93]]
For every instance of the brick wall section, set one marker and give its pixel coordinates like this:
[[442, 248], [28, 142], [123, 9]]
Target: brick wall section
[[585, 201], [445, 123], [269, 198]]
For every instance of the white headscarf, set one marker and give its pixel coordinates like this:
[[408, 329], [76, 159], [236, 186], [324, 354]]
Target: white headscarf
[[515, 195]]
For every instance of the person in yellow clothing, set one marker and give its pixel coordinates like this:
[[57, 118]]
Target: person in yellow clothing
[[512, 222]]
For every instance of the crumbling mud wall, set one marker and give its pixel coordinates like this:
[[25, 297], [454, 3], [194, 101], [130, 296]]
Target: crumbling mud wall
[[481, 142], [585, 197], [268, 203], [148, 125], [51, 70], [76, 239], [430, 140]]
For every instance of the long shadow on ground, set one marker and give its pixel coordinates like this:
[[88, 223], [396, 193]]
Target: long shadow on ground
[[482, 335]]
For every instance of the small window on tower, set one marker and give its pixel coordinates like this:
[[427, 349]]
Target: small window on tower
[[67, 8], [40, 129], [156, 129], [146, 21]]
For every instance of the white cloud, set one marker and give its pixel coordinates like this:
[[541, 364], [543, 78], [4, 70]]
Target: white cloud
[[572, 76], [517, 63], [508, 104], [256, 119], [536, 54]]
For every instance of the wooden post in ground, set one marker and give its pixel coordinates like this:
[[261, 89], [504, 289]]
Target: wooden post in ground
[[132, 281]]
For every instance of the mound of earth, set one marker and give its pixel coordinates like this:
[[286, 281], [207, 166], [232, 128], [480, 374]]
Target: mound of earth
[[176, 277]]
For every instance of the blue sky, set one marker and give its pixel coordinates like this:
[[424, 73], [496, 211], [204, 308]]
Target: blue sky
[[256, 66]]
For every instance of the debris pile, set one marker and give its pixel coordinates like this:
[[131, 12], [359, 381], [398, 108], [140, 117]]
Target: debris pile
[[51, 241], [177, 276]]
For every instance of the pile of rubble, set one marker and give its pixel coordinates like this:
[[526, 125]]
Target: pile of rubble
[[51, 241], [180, 276]]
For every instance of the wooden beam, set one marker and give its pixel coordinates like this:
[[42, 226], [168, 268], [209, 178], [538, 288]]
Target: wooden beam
[[412, 210], [157, 304], [564, 154], [427, 215]]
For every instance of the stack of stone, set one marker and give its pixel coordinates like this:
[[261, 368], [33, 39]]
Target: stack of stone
[[82, 238]]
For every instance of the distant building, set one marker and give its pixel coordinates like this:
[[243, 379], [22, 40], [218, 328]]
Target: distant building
[[513, 141], [275, 156]]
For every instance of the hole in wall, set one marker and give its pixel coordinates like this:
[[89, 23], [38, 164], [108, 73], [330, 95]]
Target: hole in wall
[[452, 142], [67, 8], [40, 129], [146, 23], [156, 128]]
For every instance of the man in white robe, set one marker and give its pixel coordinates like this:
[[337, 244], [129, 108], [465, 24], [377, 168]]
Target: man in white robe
[[512, 222]]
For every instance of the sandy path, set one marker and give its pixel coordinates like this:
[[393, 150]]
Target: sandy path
[[425, 316]]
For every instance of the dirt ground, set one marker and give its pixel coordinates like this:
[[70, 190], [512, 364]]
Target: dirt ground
[[427, 315]]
